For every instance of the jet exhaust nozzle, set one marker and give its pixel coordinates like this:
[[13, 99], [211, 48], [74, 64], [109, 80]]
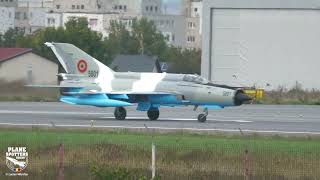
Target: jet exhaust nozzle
[[241, 98]]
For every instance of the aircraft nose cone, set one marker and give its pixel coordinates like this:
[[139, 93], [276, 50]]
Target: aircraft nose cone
[[241, 98]]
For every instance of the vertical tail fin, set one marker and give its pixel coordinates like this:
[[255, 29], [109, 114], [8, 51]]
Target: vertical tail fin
[[75, 61]]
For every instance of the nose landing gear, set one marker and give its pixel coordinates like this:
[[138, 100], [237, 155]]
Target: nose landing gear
[[203, 117]]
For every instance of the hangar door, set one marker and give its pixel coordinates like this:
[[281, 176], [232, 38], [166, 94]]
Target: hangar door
[[274, 47]]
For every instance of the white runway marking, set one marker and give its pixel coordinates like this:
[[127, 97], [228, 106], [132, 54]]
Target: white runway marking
[[222, 119], [51, 112], [181, 119], [168, 128]]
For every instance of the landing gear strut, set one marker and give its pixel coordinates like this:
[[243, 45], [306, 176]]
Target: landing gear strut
[[203, 117], [120, 113], [153, 114]]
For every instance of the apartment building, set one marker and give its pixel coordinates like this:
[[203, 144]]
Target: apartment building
[[7, 11], [31, 15], [115, 6], [172, 27], [8, 3], [30, 19], [192, 10], [7, 18], [53, 20]]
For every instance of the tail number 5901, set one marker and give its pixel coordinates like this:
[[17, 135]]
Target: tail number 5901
[[93, 73]]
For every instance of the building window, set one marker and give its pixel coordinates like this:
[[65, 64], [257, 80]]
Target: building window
[[10, 0], [151, 8], [78, 6], [115, 7], [195, 9], [161, 22], [173, 38], [73, 6], [191, 39], [125, 7], [51, 21], [58, 6], [93, 22], [25, 15], [147, 8], [31, 14], [191, 25], [167, 37], [17, 15], [9, 14], [120, 7], [82, 6]]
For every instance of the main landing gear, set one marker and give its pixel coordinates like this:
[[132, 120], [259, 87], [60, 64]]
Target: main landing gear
[[203, 117], [120, 113], [153, 114]]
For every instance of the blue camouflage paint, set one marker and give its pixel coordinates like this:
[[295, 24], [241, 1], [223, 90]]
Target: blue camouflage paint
[[118, 96], [94, 100], [171, 101]]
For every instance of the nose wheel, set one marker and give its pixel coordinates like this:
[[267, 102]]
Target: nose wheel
[[203, 117], [153, 114], [120, 113]]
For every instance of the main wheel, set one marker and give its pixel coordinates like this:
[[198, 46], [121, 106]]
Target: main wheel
[[202, 118], [120, 113], [153, 114]]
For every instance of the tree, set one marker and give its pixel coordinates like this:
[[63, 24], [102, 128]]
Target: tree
[[183, 60], [144, 38], [11, 36], [1, 40], [150, 41], [120, 40], [76, 32]]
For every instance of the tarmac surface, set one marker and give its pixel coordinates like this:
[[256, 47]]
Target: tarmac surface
[[266, 119]]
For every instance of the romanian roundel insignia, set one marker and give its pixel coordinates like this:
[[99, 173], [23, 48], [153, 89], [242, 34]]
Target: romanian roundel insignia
[[82, 66]]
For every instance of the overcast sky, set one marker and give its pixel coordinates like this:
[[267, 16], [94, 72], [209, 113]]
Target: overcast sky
[[173, 6]]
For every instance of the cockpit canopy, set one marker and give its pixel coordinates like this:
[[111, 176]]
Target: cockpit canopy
[[195, 79]]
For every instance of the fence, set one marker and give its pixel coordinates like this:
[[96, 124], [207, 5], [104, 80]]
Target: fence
[[99, 155]]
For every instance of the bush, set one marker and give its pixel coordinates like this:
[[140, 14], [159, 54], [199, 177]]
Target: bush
[[295, 95]]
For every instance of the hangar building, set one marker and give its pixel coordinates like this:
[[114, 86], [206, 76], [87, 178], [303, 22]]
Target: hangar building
[[262, 43], [21, 64]]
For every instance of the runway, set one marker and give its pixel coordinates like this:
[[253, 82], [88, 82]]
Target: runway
[[266, 119]]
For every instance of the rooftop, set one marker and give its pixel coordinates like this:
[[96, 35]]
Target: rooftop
[[9, 53]]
